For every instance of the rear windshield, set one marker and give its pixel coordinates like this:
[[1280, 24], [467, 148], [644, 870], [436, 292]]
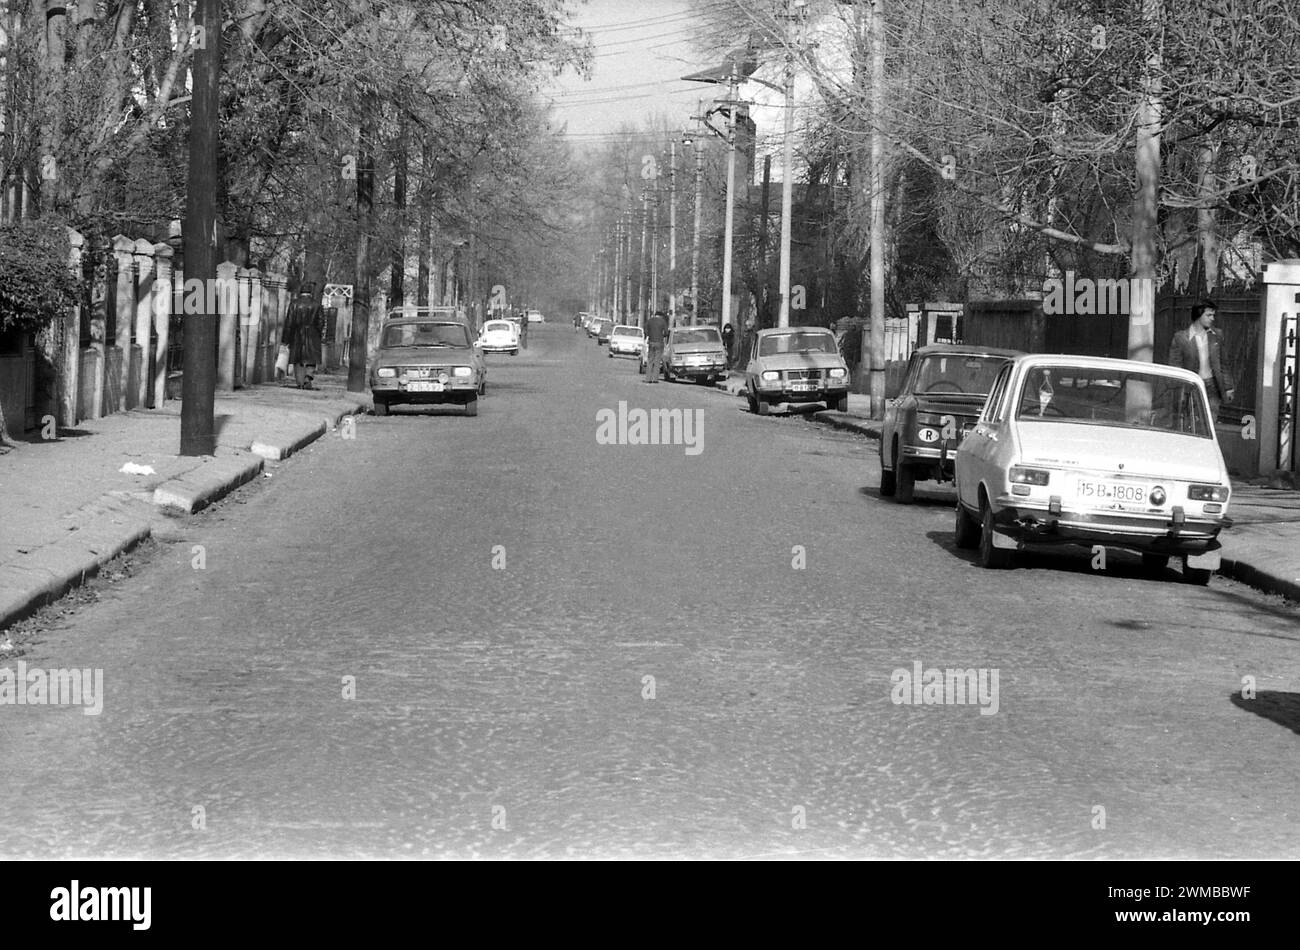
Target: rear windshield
[[958, 373], [1106, 397], [628, 331], [425, 334], [697, 335], [498, 325]]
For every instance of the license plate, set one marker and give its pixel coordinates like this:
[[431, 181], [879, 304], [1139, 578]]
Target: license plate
[[431, 387], [803, 387], [1102, 492]]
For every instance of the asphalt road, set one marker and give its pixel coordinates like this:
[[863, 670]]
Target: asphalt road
[[675, 653]]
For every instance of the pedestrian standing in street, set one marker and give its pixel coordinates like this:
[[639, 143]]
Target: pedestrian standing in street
[[656, 329], [1197, 348], [303, 326], [728, 337]]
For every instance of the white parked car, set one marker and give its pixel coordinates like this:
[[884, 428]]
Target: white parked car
[[500, 336], [1091, 451], [626, 341], [535, 316]]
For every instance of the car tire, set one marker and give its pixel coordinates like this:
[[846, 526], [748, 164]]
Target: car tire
[[514, 352], [887, 483], [482, 388], [763, 407], [904, 482], [966, 532], [471, 407], [840, 405], [1155, 563], [991, 557], [1199, 576], [641, 368], [753, 403], [381, 408]]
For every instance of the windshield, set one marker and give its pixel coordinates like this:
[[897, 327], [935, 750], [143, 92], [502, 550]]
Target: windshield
[[1137, 400], [958, 373], [797, 341], [498, 326], [426, 334], [628, 331], [697, 335]]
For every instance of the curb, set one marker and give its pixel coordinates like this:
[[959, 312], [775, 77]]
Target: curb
[[24, 590], [114, 531], [834, 419], [1252, 576]]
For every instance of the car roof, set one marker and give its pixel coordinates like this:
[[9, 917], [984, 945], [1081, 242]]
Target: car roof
[[402, 321], [1102, 362], [626, 326], [967, 348], [769, 331]]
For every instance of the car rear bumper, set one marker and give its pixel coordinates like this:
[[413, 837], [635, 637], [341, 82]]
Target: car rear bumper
[[500, 347], [1156, 534]]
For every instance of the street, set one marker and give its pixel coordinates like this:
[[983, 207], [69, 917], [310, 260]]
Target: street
[[498, 637]]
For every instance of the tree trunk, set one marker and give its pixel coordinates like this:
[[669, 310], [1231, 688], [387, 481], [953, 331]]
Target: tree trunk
[[1142, 298], [397, 260], [359, 340]]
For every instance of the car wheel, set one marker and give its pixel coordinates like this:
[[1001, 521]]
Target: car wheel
[[1196, 575], [641, 368], [905, 482], [966, 533], [471, 407], [514, 352], [763, 407], [841, 404], [753, 403], [990, 556], [1155, 563], [381, 408], [482, 388]]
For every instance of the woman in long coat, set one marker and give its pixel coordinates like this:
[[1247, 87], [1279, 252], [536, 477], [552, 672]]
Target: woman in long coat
[[302, 334]]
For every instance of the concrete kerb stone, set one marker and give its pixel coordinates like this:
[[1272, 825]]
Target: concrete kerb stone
[[282, 447], [213, 481], [1255, 577]]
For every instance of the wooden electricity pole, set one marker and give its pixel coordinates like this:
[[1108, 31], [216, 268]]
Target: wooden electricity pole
[[359, 339], [199, 234]]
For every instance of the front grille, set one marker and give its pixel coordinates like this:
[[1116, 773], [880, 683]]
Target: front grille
[[803, 374]]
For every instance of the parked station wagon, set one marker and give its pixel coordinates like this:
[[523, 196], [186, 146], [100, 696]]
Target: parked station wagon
[[427, 361], [796, 365], [943, 391], [1093, 451]]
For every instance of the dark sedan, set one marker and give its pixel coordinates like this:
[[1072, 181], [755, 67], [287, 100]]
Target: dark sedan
[[944, 389]]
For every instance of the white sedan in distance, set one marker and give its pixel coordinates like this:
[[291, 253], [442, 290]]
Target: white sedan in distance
[[500, 336]]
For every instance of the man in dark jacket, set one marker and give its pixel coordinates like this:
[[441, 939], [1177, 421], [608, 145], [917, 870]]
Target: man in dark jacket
[[656, 329], [302, 333], [1197, 348]]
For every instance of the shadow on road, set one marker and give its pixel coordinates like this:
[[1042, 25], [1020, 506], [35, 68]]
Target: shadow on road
[[1280, 707]]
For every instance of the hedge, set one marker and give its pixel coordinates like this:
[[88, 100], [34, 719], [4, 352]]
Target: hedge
[[37, 286]]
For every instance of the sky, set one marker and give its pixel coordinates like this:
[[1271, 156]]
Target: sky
[[642, 49]]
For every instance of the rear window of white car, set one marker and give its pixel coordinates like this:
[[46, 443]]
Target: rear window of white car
[[628, 331], [1107, 397], [498, 325]]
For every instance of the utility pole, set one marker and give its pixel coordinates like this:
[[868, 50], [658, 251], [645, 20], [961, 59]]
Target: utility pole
[[627, 256], [654, 254], [641, 283], [618, 257], [359, 338], [699, 213], [787, 161], [877, 185], [728, 241], [199, 341], [672, 228]]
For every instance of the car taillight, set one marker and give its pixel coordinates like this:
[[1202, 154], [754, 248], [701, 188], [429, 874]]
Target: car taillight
[[1020, 475], [928, 419], [1207, 493]]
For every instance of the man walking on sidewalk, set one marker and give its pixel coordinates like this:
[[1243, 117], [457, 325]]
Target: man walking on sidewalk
[[1197, 348], [302, 332], [656, 328]]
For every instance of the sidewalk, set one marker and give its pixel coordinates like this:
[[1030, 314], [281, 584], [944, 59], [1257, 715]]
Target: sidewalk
[[1262, 549], [66, 508]]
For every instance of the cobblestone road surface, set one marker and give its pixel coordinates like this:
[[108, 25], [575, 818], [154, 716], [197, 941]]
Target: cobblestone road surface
[[648, 674]]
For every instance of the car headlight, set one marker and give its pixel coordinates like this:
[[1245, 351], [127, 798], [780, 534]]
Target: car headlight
[[1019, 475], [929, 419], [462, 371], [386, 372], [770, 376], [1207, 493], [838, 372]]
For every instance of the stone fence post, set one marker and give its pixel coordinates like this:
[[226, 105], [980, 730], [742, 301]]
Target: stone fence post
[[70, 355], [227, 328], [124, 311], [143, 316], [163, 301]]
